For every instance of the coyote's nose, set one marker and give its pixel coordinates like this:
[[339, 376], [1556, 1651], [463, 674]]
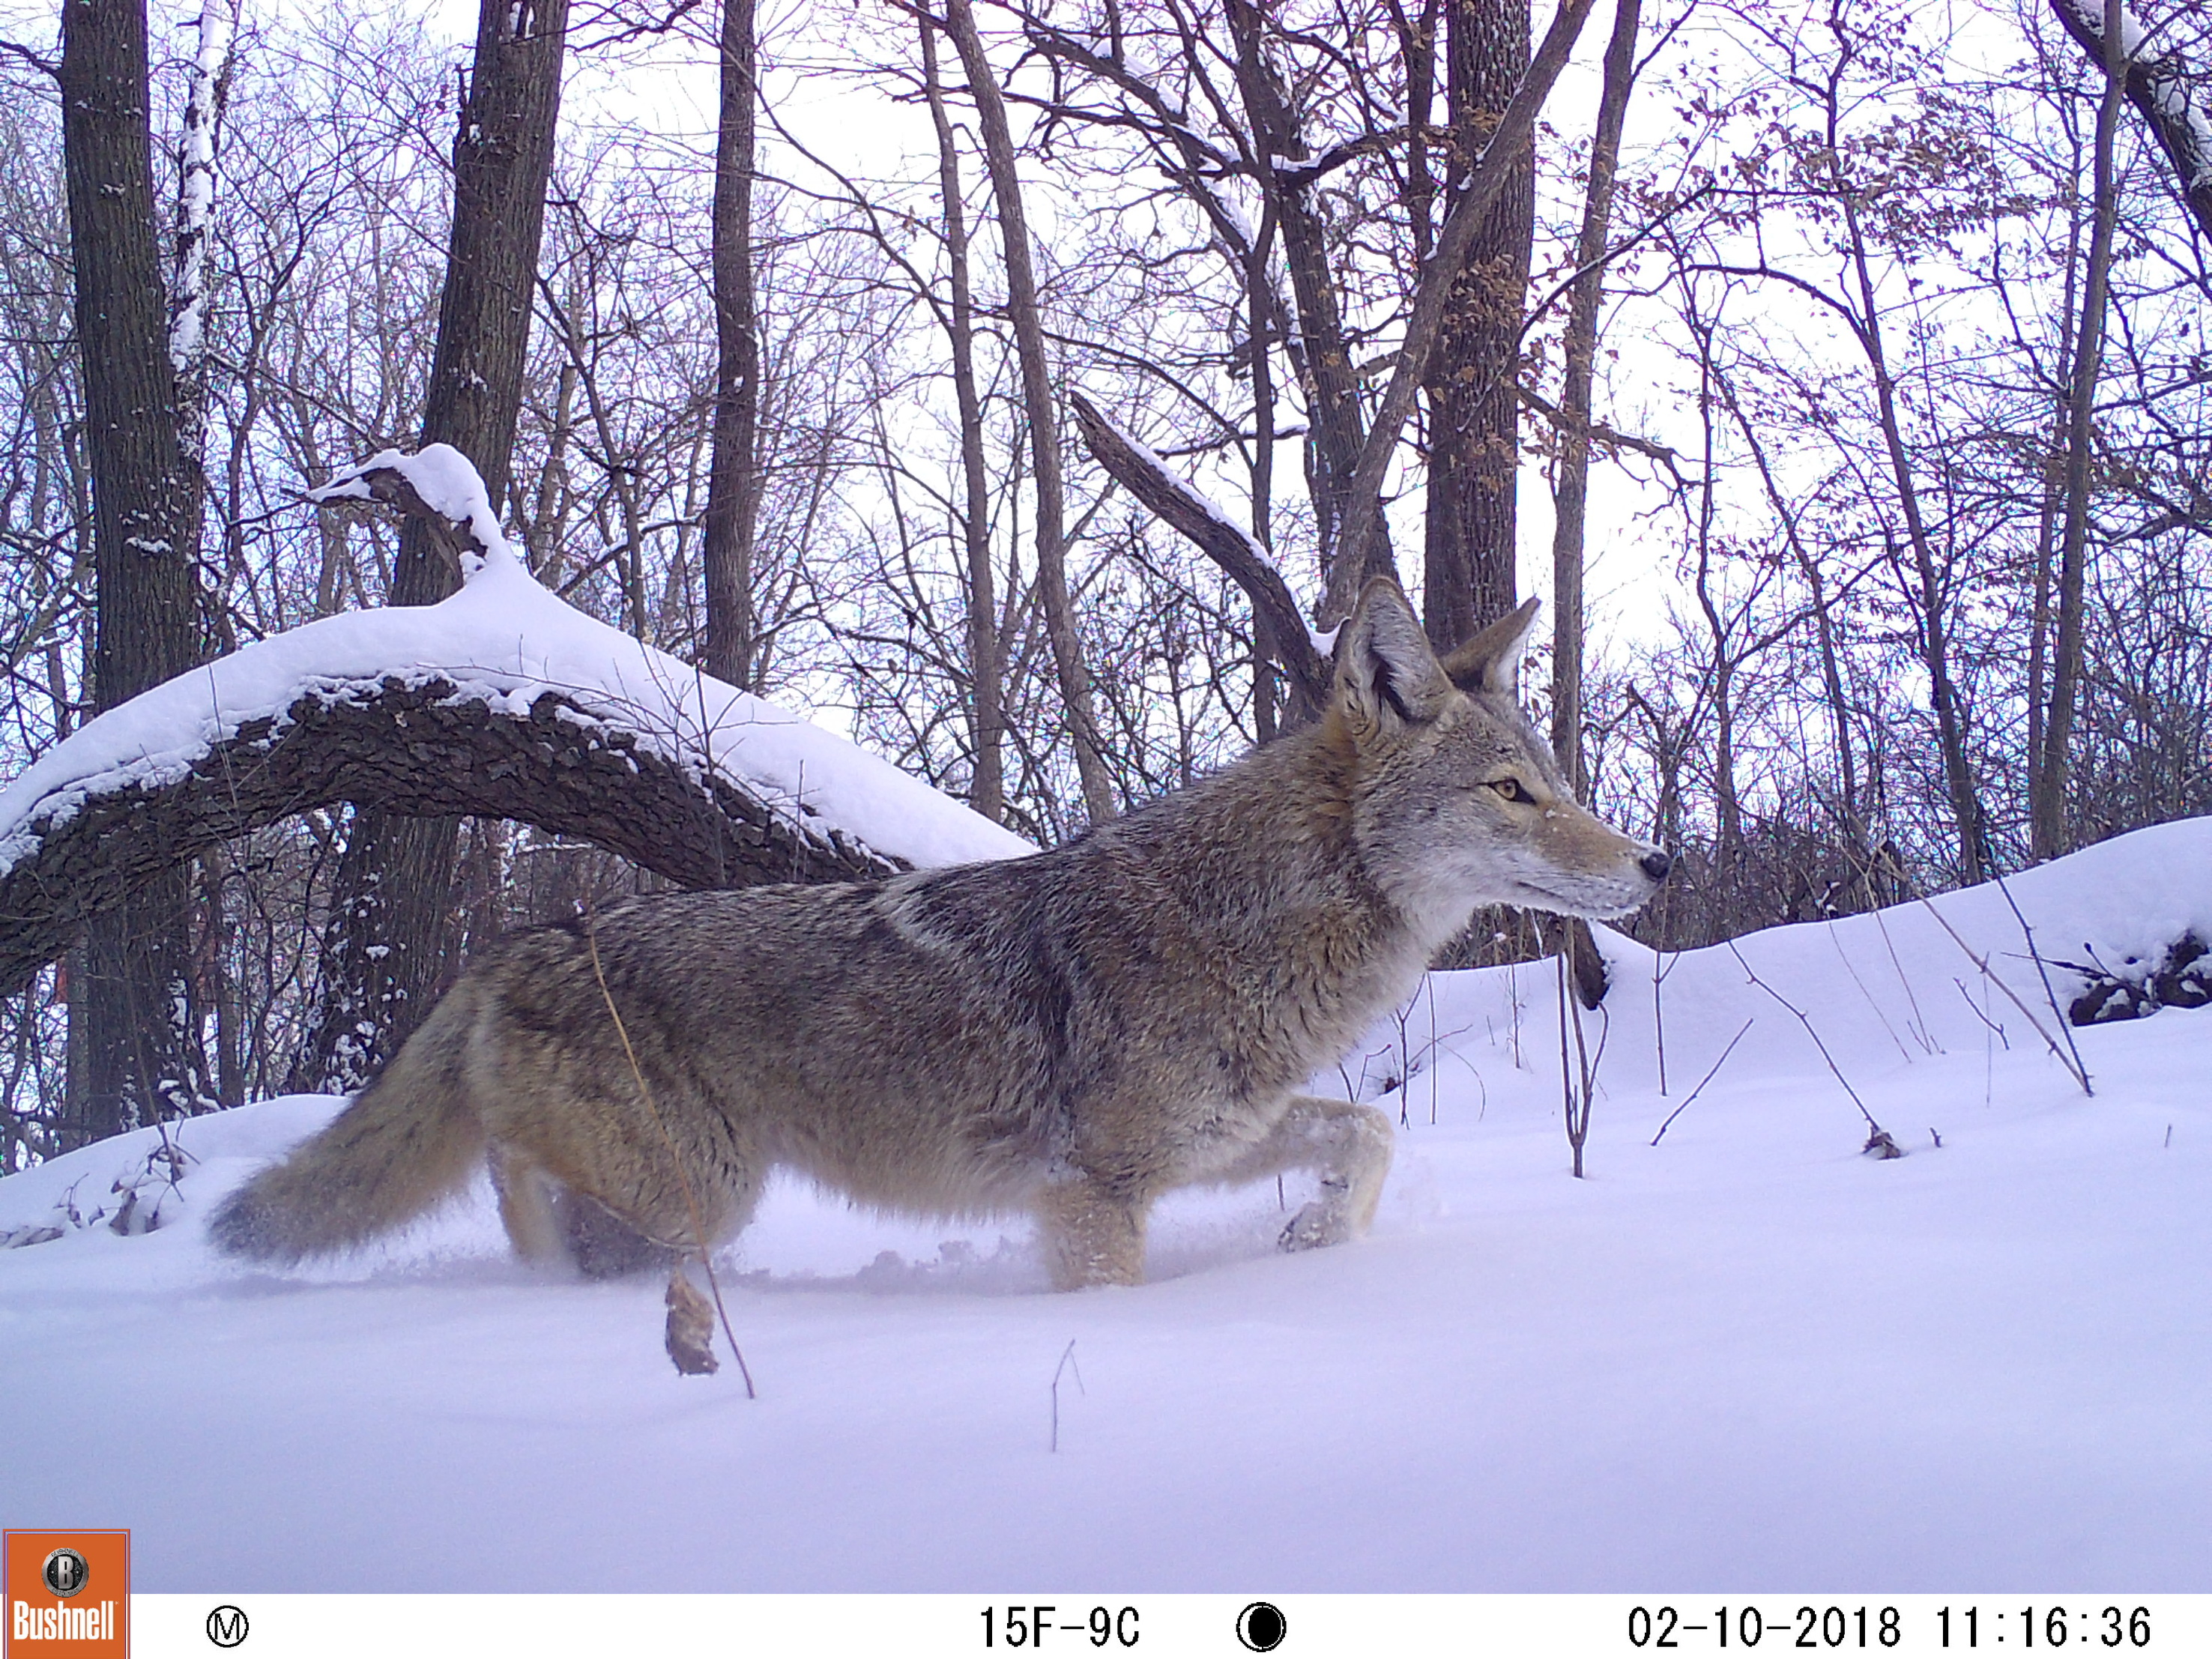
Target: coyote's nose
[[1657, 865]]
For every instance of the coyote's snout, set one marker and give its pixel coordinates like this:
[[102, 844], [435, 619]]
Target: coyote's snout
[[1071, 1034]]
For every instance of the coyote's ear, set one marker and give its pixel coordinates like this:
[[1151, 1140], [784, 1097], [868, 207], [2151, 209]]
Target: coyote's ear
[[1385, 670], [1491, 661]]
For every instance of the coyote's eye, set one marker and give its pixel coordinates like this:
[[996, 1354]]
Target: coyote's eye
[[1512, 790]]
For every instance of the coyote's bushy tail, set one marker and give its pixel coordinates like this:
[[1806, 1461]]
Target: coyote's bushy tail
[[410, 1139]]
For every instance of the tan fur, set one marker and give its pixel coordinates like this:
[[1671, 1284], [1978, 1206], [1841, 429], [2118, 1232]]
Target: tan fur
[[1071, 1034]]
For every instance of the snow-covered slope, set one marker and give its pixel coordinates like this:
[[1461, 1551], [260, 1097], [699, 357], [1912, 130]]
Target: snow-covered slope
[[1747, 1357], [501, 640]]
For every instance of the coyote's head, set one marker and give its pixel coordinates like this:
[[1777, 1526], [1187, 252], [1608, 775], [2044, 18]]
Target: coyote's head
[[1456, 800]]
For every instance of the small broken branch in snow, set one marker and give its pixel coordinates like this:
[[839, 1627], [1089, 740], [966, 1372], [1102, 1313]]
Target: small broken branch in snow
[[1141, 472], [1578, 1079], [1067, 1362], [2159, 90]]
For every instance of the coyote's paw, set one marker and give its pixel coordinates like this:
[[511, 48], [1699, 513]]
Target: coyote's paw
[[1325, 1221]]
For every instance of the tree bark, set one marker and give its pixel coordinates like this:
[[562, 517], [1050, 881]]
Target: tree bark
[[1473, 380], [142, 1033], [2158, 86], [734, 475], [1337, 427], [1038, 398], [2048, 832], [1570, 496], [986, 717], [1425, 322], [384, 949]]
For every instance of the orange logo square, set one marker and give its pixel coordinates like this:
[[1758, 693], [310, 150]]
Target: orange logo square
[[67, 1595]]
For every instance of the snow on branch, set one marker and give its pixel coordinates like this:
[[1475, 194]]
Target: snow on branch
[[2159, 87], [501, 701], [1304, 654]]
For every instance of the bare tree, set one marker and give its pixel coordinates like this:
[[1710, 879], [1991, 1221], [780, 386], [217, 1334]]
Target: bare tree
[[1472, 385], [384, 954], [726, 550], [1027, 321], [143, 1036]]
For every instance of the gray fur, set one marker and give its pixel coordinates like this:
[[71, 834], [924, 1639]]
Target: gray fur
[[1070, 1034]]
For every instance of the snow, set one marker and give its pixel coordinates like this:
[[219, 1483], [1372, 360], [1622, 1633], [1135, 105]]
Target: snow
[[501, 641], [1748, 1357], [2189, 127], [196, 162]]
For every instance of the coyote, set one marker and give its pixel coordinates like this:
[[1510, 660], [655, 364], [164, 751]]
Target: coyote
[[1071, 1034]]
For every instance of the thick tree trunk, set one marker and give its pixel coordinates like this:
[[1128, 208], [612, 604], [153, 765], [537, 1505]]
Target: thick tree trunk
[[1431, 300], [733, 476], [1038, 397], [142, 1031], [1472, 380], [384, 950]]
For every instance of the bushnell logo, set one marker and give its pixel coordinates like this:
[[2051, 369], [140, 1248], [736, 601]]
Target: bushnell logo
[[65, 1572]]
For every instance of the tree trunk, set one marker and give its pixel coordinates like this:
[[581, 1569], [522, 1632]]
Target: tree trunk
[[986, 717], [1571, 495], [143, 1055], [1432, 297], [1472, 380], [1038, 397], [2047, 812], [384, 948], [1974, 859], [2158, 85], [733, 476], [1323, 355]]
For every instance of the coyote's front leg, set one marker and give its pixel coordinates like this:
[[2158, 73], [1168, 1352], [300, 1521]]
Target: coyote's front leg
[[1348, 1145], [1091, 1234]]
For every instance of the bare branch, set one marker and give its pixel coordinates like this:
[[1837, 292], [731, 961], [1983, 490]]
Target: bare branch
[[1180, 505]]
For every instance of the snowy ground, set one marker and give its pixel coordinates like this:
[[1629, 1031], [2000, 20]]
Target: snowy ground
[[1747, 1358]]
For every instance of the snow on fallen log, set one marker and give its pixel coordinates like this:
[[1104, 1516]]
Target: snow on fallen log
[[502, 700]]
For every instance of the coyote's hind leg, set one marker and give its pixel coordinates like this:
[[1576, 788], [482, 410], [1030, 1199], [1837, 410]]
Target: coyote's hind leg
[[526, 1197], [1348, 1145]]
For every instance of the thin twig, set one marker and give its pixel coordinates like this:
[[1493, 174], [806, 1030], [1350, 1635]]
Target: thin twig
[[1978, 1013], [1067, 1362], [1878, 1134], [684, 1181], [2065, 1026], [2074, 1063], [1704, 1080]]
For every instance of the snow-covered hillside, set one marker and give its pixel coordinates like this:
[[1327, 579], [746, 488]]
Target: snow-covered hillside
[[1748, 1357]]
